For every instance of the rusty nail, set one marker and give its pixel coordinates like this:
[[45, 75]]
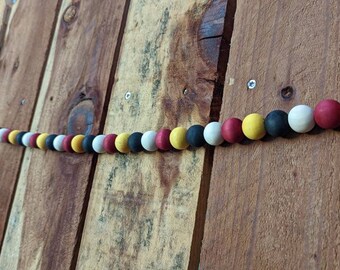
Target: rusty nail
[[70, 14]]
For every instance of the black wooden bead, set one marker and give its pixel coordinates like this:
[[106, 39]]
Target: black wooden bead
[[276, 123], [135, 142], [87, 143], [195, 136], [19, 136], [49, 142]]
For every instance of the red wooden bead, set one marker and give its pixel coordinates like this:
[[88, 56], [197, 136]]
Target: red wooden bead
[[327, 114], [163, 139], [5, 135], [33, 140], [109, 143], [67, 143], [232, 130]]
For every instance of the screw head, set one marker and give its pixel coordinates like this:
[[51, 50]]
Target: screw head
[[251, 84], [23, 101], [185, 91], [127, 95]]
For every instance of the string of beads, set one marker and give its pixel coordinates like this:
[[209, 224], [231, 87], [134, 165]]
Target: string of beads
[[277, 123]]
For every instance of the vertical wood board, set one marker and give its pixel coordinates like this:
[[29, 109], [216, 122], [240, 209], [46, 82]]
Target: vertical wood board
[[47, 213], [142, 207], [275, 204], [25, 33]]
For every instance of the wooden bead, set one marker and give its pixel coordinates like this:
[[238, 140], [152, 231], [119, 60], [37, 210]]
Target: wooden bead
[[12, 135], [76, 144], [212, 134], [109, 143], [231, 130], [26, 139], [33, 140], [134, 142], [276, 123], [41, 141], [19, 137], [253, 126], [87, 143], [5, 135], [327, 114], [121, 143], [2, 132], [98, 144], [163, 139], [58, 143], [149, 141], [178, 138], [67, 143], [195, 137], [301, 118], [49, 142]]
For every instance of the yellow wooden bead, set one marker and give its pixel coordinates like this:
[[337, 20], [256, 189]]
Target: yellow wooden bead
[[41, 141], [76, 144], [12, 135], [121, 143], [253, 126], [178, 138]]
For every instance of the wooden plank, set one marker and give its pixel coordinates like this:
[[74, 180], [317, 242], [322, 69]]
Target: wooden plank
[[48, 209], [275, 205], [142, 207], [25, 33]]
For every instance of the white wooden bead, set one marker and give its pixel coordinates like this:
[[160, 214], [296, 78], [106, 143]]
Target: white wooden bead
[[212, 133], [58, 143], [26, 139], [301, 118], [98, 144], [149, 141], [2, 131]]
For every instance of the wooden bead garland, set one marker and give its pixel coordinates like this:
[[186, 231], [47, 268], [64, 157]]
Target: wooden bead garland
[[277, 123]]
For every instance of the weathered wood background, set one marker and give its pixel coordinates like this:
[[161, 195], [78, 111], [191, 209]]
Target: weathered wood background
[[66, 66]]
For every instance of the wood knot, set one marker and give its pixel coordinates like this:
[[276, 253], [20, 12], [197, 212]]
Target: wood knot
[[81, 118], [70, 14]]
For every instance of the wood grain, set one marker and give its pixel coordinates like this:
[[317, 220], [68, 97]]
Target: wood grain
[[275, 204], [25, 33], [47, 213], [142, 207]]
